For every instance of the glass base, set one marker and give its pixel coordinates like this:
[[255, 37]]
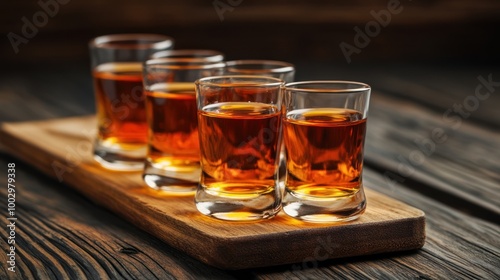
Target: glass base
[[238, 208], [113, 158], [176, 181], [311, 209]]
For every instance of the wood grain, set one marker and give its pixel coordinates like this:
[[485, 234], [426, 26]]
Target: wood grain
[[63, 235], [457, 246], [405, 146], [62, 148], [443, 88], [103, 246]]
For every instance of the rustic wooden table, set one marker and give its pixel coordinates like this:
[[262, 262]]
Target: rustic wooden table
[[433, 142]]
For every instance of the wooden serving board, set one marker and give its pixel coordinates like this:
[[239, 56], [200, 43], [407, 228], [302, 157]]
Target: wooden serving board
[[62, 148]]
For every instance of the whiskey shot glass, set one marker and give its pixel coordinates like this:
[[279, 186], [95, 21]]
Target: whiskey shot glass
[[173, 155], [121, 116], [239, 122], [324, 128]]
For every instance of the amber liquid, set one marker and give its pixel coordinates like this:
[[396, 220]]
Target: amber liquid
[[324, 150], [173, 126], [121, 113], [239, 148]]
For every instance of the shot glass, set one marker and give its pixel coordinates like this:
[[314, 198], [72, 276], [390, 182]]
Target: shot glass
[[270, 68], [324, 129], [121, 117], [239, 122], [173, 156], [194, 55]]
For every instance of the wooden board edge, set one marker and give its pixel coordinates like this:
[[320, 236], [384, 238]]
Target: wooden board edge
[[23, 148], [228, 255]]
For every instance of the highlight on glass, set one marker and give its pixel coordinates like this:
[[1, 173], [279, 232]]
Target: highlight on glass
[[193, 55], [121, 117], [324, 130], [259, 67]]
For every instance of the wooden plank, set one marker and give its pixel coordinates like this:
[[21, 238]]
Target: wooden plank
[[443, 88], [62, 148], [464, 162], [452, 233]]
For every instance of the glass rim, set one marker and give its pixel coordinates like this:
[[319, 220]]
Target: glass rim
[[176, 64], [284, 67], [271, 81], [206, 55], [110, 41], [325, 89]]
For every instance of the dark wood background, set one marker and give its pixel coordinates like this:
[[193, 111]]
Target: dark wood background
[[429, 30]]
